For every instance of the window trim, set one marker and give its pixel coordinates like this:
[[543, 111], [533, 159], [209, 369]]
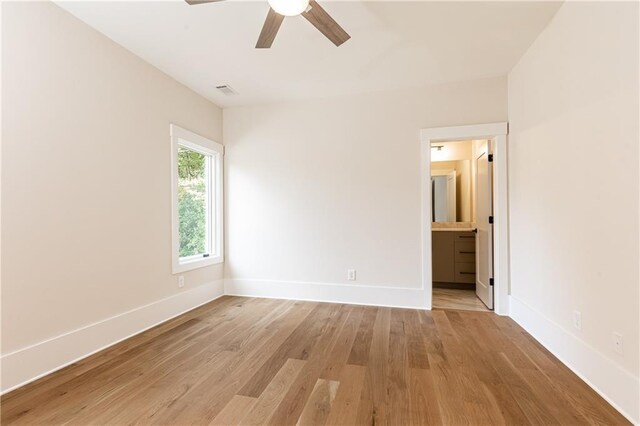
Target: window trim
[[195, 142]]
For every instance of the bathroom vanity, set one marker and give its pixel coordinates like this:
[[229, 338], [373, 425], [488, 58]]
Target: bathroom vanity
[[454, 257]]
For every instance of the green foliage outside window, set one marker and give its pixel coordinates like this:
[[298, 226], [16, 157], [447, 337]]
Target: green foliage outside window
[[192, 202]]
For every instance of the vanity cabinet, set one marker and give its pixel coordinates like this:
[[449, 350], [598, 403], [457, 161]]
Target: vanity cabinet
[[454, 257]]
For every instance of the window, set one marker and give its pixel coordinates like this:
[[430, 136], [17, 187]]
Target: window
[[196, 173]]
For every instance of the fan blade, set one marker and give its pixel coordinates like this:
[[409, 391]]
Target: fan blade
[[195, 2], [269, 29], [325, 23]]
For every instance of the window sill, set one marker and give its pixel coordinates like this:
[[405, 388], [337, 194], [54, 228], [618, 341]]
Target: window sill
[[196, 264]]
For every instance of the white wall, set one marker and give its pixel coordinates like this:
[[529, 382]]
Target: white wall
[[317, 187], [573, 164], [86, 225]]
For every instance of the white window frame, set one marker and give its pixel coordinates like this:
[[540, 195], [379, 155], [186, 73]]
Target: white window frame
[[185, 138]]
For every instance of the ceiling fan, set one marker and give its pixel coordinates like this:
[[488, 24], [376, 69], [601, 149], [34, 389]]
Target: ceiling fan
[[279, 9]]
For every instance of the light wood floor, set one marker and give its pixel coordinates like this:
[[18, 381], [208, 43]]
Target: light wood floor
[[257, 361], [449, 298]]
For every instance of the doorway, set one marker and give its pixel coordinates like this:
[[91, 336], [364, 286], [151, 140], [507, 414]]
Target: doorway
[[461, 261], [465, 223]]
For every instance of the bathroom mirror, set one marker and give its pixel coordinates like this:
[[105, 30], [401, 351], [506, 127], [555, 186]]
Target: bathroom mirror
[[451, 191], [443, 198]]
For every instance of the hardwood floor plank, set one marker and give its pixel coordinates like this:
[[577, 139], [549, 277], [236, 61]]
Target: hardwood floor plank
[[316, 410], [506, 409], [345, 407], [163, 383], [205, 400], [398, 373], [448, 385], [290, 409], [416, 345], [298, 345], [243, 336], [264, 361], [453, 377], [30, 391], [583, 399], [423, 402], [236, 410], [526, 397], [273, 394], [66, 400], [430, 336], [373, 404], [342, 347], [360, 350], [565, 415], [366, 415]]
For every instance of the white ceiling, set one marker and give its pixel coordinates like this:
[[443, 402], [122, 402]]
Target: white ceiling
[[394, 44]]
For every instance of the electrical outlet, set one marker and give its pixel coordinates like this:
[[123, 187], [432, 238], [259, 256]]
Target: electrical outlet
[[351, 274], [577, 320], [181, 281], [618, 343]]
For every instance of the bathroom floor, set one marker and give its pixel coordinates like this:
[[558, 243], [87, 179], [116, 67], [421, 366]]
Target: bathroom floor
[[465, 300]]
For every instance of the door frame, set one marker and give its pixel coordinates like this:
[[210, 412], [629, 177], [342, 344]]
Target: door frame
[[497, 132]]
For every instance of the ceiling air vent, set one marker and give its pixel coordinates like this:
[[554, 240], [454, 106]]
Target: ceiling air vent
[[226, 89]]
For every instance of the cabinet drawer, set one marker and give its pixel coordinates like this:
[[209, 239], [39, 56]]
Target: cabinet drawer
[[443, 254], [465, 272], [465, 251], [465, 236]]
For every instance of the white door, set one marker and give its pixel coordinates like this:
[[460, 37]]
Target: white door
[[484, 239]]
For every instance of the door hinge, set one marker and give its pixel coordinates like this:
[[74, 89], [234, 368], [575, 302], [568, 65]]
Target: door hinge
[[490, 219], [491, 282], [491, 158]]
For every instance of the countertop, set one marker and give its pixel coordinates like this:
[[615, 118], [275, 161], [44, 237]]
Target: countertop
[[452, 229]]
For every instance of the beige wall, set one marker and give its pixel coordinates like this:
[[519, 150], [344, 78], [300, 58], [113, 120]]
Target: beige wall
[[573, 100], [85, 175], [318, 187], [451, 151], [456, 151]]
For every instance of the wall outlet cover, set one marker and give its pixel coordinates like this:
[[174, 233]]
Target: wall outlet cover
[[577, 320], [618, 343]]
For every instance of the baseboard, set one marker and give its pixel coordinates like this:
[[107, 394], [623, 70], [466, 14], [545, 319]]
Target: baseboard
[[33, 362], [616, 385], [395, 297]]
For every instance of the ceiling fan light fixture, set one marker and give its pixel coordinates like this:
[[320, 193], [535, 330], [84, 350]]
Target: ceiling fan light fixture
[[289, 7]]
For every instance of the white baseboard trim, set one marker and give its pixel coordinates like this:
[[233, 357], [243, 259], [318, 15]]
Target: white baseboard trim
[[394, 297], [33, 362], [617, 386]]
